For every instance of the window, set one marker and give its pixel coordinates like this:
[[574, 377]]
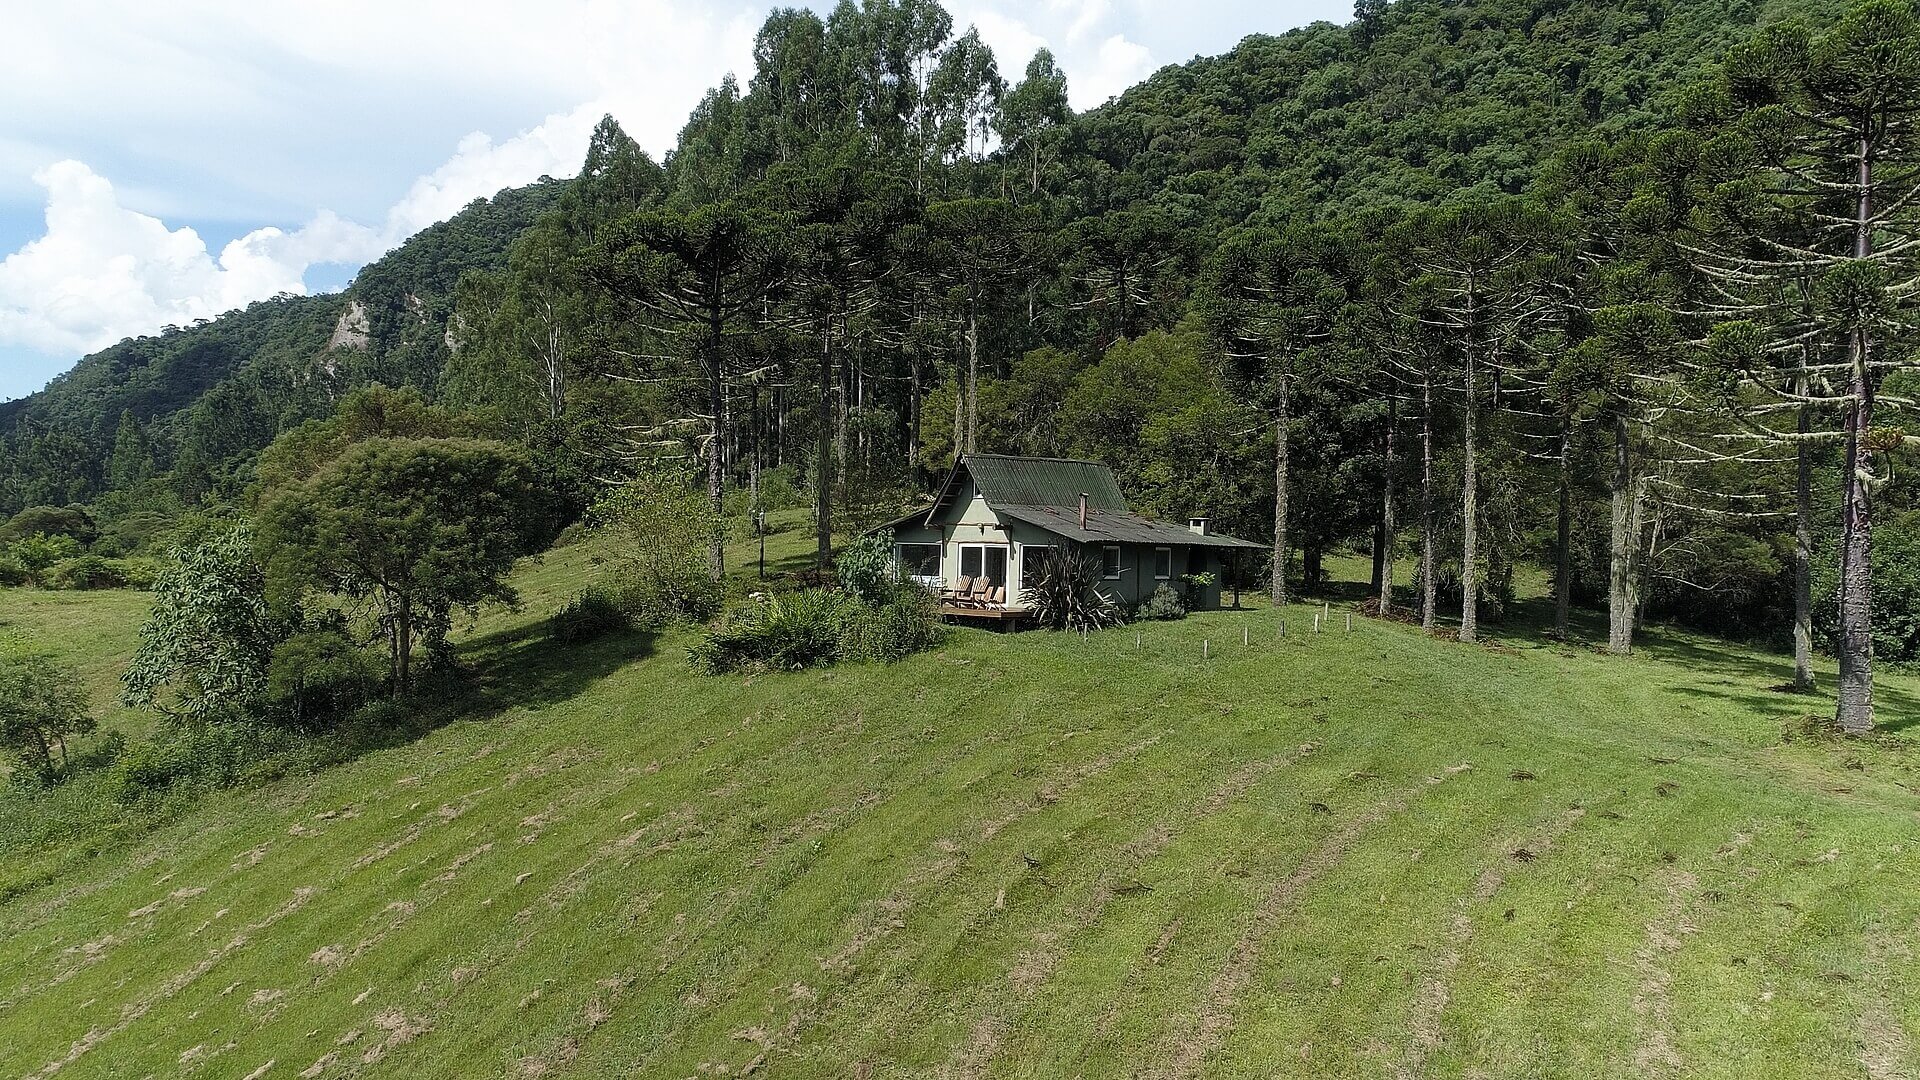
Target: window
[[1162, 563], [918, 561], [987, 559], [1110, 561]]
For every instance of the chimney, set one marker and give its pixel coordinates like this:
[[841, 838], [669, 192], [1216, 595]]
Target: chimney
[[1083, 509], [1203, 526]]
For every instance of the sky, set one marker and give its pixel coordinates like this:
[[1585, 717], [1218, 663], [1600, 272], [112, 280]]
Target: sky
[[162, 163]]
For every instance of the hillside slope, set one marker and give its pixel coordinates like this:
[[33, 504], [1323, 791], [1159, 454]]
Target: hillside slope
[[1344, 854]]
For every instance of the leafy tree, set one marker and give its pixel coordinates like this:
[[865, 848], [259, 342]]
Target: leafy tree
[[42, 706], [659, 525], [413, 528], [1033, 117], [206, 644]]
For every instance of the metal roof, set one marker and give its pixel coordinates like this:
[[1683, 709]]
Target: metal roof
[[1045, 493], [1032, 481], [1116, 527]]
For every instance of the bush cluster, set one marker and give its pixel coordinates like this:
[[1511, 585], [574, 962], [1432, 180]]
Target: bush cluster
[[818, 627], [1165, 604], [592, 614]]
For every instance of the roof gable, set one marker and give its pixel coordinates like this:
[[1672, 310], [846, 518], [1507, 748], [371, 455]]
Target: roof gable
[[1030, 481]]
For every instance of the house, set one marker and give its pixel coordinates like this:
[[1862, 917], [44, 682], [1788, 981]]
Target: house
[[995, 514]]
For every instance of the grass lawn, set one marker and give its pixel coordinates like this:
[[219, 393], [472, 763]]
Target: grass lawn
[[1365, 853]]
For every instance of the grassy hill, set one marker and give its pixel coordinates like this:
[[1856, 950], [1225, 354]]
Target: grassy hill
[[1364, 853]]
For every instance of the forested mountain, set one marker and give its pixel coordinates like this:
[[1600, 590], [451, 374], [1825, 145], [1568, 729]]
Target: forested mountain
[[1436, 271], [195, 403]]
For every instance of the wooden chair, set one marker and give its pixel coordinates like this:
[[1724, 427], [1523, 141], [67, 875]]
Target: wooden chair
[[961, 587], [999, 597], [982, 591]]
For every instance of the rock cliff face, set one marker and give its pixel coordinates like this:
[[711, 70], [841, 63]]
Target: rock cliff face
[[354, 330]]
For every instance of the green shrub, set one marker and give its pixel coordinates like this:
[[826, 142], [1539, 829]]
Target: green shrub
[[1165, 604], [594, 613], [35, 555], [316, 676], [817, 627], [12, 573], [210, 755], [659, 526], [1062, 586], [907, 621], [866, 568], [786, 632]]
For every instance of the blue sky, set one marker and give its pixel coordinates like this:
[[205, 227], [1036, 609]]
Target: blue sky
[[161, 163]]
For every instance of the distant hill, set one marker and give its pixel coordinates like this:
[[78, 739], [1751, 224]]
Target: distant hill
[[200, 399]]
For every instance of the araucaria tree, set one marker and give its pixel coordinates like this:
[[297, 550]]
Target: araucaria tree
[[1810, 242], [1273, 298], [700, 276], [414, 529]]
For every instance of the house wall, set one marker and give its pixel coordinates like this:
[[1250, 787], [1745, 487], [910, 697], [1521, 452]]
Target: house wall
[[974, 523]]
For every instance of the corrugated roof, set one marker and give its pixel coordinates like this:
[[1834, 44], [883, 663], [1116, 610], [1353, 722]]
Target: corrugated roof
[[1032, 481], [1116, 527]]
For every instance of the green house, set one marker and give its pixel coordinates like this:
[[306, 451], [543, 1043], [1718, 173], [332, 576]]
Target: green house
[[996, 513]]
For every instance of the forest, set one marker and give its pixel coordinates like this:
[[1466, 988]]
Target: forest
[[1623, 292]]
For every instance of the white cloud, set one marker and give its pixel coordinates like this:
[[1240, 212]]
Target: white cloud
[[103, 272]]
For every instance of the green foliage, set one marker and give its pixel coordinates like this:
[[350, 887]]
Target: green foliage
[[99, 572], [42, 706], [1163, 605], [206, 646], [865, 567], [30, 559], [416, 528], [207, 756], [819, 627], [70, 521], [1062, 586], [780, 632], [318, 675], [589, 615], [659, 526]]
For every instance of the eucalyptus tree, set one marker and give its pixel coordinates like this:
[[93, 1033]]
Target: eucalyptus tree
[[1272, 297], [1810, 241], [1033, 118], [965, 93]]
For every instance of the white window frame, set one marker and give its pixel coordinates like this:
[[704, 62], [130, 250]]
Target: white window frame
[[961, 564], [1118, 564], [1157, 552]]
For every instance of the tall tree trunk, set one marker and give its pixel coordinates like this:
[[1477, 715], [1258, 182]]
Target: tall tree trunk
[[1429, 587], [913, 418], [1563, 533], [1280, 424], [1623, 543], [1470, 505], [1803, 547], [1854, 711], [402, 644], [716, 404], [823, 455], [973, 379], [959, 407], [1386, 506]]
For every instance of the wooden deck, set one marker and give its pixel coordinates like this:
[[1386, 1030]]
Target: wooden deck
[[1000, 613]]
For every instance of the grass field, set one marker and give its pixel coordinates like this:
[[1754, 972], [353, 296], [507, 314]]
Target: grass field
[[1364, 853]]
